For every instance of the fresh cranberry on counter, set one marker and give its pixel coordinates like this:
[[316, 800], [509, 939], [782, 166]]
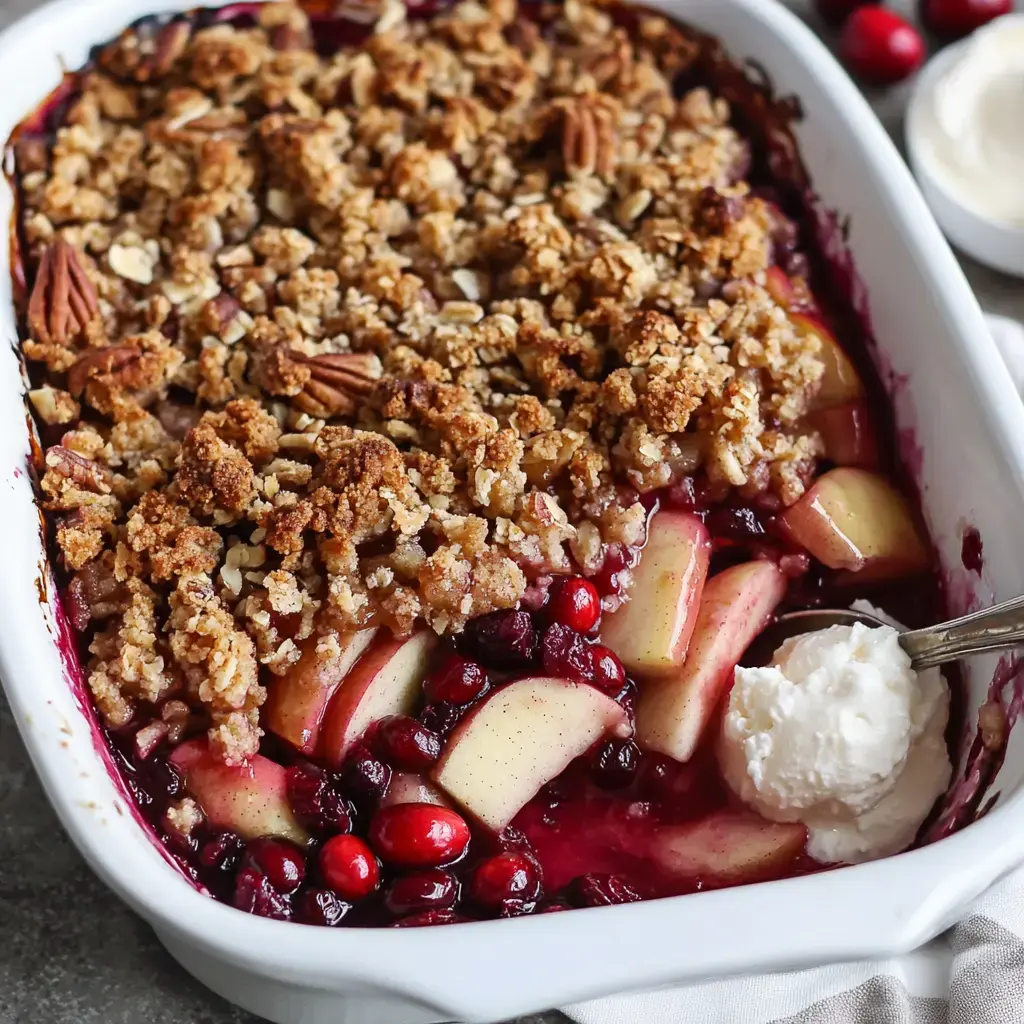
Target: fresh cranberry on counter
[[879, 46], [951, 19]]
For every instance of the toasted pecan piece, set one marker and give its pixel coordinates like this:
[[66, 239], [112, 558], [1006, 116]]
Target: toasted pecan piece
[[336, 383], [588, 137], [100, 361], [84, 472], [63, 301]]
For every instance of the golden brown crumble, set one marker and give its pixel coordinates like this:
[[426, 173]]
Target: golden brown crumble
[[385, 336]]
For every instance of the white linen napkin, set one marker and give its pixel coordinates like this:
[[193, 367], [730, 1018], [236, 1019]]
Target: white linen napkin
[[974, 974]]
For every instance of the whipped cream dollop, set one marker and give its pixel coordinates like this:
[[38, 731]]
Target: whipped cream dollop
[[839, 733], [971, 123]]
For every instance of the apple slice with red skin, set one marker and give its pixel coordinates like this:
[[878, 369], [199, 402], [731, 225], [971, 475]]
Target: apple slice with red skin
[[727, 848], [848, 433], [249, 799], [518, 739], [852, 519], [840, 382], [296, 702], [410, 788], [651, 631], [672, 714], [387, 680]]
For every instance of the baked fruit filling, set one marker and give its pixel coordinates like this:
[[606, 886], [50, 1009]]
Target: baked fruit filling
[[435, 405]]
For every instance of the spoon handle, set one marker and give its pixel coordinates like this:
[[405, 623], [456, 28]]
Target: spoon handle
[[990, 629]]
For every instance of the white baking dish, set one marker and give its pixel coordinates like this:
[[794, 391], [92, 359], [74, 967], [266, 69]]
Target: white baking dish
[[965, 435]]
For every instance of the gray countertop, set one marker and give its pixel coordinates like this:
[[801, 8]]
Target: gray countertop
[[72, 954]]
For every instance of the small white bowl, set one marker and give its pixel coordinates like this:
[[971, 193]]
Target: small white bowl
[[993, 243]]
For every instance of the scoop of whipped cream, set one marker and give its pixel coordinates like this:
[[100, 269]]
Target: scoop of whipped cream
[[841, 734], [971, 123]]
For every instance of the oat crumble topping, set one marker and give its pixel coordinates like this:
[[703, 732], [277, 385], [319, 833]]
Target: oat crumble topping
[[385, 336]]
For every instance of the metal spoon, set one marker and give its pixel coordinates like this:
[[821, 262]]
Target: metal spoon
[[991, 629]]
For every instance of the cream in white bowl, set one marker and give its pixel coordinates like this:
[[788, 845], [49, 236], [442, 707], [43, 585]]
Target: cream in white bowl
[[965, 139]]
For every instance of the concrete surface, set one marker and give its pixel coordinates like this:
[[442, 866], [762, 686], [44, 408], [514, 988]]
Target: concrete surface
[[72, 954]]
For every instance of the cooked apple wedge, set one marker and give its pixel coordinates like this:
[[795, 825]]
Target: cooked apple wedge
[[651, 631], [848, 434], [852, 519], [296, 702], [727, 848], [410, 788], [779, 286], [387, 680], [248, 799], [672, 713], [520, 738], [840, 382]]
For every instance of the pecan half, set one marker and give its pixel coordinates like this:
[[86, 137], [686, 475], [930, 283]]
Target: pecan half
[[588, 138], [170, 43], [100, 361], [336, 382], [82, 471], [63, 301]]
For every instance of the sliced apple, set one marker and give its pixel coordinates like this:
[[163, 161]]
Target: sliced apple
[[651, 631], [672, 714], [779, 286], [852, 519], [848, 434], [387, 680], [410, 788], [296, 702], [249, 799], [840, 381], [727, 848], [520, 738]]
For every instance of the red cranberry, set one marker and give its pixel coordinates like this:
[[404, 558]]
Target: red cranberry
[[366, 779], [407, 744], [609, 675], [614, 572], [316, 800], [322, 907], [222, 851], [442, 717], [682, 495], [565, 654], [575, 603], [616, 763], [880, 47], [835, 12], [428, 918], [951, 19], [419, 835], [601, 891], [504, 639], [349, 867], [511, 876], [738, 524], [456, 680], [426, 890], [283, 863], [255, 895]]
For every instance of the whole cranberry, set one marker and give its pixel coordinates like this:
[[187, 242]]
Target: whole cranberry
[[419, 835], [316, 799], [565, 654], [609, 674], [407, 744], [442, 717], [433, 889], [616, 763], [879, 46], [508, 876], [951, 19], [428, 918], [349, 867], [601, 891], [503, 639], [457, 680], [255, 895], [575, 603], [222, 852], [366, 779], [282, 863], [835, 12], [320, 906]]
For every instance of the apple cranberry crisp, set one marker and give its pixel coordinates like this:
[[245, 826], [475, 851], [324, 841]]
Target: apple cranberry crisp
[[349, 334]]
